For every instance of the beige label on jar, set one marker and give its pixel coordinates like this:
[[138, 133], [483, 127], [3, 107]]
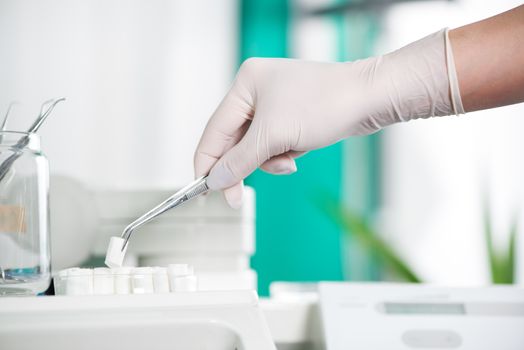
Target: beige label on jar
[[12, 219]]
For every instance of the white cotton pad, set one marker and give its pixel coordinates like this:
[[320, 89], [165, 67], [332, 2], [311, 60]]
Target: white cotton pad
[[60, 282], [103, 281], [182, 278], [142, 280], [185, 284], [115, 254], [126, 280], [160, 280], [79, 281], [180, 270], [122, 277]]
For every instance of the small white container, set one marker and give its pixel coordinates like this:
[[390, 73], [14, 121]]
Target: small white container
[[186, 284], [103, 283], [122, 280], [160, 280], [142, 280], [79, 281], [181, 278], [125, 280], [59, 282]]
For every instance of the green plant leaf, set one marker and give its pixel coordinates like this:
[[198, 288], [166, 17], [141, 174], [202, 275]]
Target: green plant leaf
[[488, 236], [356, 226], [501, 261], [511, 260]]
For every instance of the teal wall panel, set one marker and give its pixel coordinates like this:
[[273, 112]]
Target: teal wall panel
[[357, 34], [295, 240]]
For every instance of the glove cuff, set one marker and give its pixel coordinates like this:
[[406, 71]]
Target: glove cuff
[[456, 100], [421, 80]]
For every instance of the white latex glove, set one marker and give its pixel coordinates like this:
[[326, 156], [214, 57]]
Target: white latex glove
[[278, 109]]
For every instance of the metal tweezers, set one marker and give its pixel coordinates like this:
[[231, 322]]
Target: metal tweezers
[[24, 140], [191, 191]]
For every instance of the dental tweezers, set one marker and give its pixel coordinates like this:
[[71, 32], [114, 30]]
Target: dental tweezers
[[24, 140], [194, 189]]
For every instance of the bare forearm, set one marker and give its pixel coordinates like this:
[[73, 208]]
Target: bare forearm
[[489, 59]]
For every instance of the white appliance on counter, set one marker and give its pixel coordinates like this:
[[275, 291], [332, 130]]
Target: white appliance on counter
[[341, 316], [187, 321], [373, 316], [413, 316]]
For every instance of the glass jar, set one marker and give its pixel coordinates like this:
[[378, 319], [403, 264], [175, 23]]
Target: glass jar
[[24, 215]]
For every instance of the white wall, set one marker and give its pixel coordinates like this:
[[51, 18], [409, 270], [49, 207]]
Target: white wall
[[141, 78], [311, 37], [435, 171]]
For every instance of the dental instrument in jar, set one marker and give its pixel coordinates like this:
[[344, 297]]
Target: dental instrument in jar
[[118, 245], [6, 165], [43, 115], [7, 113]]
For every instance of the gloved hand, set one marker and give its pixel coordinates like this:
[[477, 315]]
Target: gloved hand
[[278, 109]]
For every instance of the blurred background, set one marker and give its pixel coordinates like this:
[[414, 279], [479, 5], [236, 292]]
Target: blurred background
[[418, 201]]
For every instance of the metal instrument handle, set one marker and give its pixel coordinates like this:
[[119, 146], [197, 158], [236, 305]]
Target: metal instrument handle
[[194, 189]]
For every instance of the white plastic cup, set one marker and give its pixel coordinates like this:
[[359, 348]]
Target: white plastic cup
[[160, 280], [186, 284], [181, 278], [60, 282], [79, 281], [180, 269], [142, 280], [103, 283], [122, 280]]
